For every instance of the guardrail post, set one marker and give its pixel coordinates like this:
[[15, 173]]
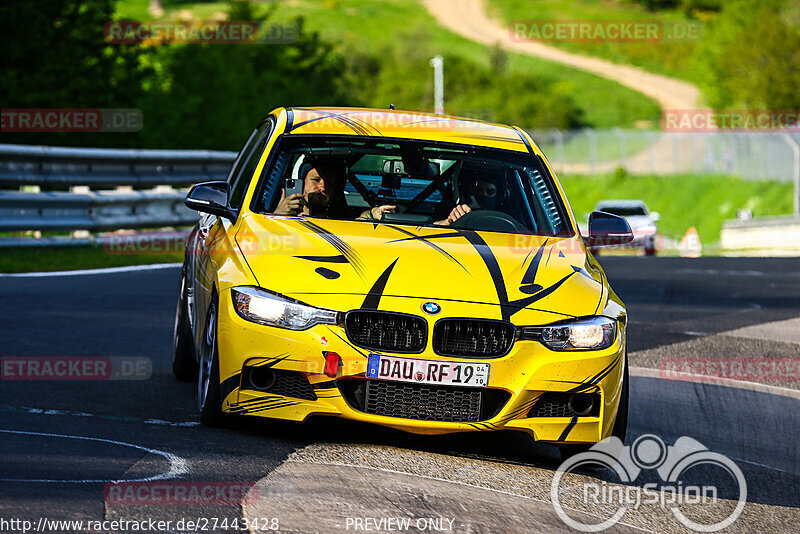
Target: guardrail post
[[622, 149], [796, 150]]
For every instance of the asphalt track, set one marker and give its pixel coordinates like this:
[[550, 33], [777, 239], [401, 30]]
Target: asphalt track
[[315, 476]]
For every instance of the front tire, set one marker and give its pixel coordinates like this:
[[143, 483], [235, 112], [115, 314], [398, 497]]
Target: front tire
[[184, 358], [621, 422], [208, 394]]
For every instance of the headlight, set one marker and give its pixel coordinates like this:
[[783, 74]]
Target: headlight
[[258, 306], [584, 334]]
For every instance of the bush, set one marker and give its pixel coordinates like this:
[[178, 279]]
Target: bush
[[491, 92], [751, 57], [55, 56]]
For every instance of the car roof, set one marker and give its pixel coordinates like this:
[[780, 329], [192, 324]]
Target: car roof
[[406, 125], [623, 203]]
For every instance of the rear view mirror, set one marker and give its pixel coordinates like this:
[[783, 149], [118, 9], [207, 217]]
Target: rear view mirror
[[210, 197], [655, 216], [606, 229], [428, 169]]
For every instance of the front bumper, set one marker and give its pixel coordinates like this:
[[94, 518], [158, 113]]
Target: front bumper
[[523, 375]]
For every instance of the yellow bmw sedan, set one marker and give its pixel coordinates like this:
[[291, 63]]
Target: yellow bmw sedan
[[406, 269]]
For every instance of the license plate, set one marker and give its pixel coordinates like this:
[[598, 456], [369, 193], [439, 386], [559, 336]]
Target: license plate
[[468, 374]]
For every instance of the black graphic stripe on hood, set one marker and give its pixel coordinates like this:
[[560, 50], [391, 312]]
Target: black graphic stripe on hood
[[272, 361], [424, 239], [568, 429], [458, 233], [346, 250], [270, 405], [494, 269], [227, 386], [592, 382], [584, 272], [340, 258], [522, 409], [376, 291], [358, 126], [516, 305], [528, 286], [602, 292], [350, 344]]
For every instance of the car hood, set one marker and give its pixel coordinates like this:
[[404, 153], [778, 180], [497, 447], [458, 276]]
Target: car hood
[[346, 265]]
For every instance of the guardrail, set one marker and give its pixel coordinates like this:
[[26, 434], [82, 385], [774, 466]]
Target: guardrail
[[102, 168], [778, 235], [72, 172]]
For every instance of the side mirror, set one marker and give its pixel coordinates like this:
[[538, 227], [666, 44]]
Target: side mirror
[[210, 197], [655, 216], [606, 229]]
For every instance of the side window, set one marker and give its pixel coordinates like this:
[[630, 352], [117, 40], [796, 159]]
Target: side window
[[248, 161]]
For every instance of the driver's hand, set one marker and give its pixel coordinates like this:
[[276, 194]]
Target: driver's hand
[[458, 212], [376, 213], [289, 205]]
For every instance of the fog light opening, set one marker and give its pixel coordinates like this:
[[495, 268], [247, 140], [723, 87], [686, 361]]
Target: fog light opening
[[261, 378], [581, 404]]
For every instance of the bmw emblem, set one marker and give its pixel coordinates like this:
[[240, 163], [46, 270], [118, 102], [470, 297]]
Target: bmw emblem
[[431, 308]]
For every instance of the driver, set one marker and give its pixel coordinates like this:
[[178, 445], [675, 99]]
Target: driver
[[478, 191], [321, 184]]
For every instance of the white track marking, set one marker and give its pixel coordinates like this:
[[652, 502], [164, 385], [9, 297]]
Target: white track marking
[[177, 465], [457, 482], [106, 270], [714, 381], [42, 411]]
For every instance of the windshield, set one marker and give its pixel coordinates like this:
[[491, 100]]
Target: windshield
[[624, 211], [413, 182]]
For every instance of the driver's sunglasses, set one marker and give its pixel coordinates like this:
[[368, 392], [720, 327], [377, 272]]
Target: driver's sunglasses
[[485, 189]]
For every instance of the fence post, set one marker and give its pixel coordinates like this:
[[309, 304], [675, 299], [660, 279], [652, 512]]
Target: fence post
[[558, 135], [796, 151], [622, 150], [592, 150]]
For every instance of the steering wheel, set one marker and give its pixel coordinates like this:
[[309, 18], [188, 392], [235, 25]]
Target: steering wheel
[[490, 220]]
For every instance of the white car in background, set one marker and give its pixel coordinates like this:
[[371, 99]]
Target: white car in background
[[640, 218]]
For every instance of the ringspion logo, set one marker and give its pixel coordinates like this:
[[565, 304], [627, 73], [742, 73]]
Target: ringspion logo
[[676, 492]]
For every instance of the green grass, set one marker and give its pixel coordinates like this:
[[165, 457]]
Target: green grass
[[682, 200], [670, 58], [372, 26], [29, 259]]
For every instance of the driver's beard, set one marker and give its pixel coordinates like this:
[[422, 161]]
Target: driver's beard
[[318, 203], [482, 202]]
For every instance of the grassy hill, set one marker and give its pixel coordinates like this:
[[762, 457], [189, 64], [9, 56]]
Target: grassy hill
[[669, 58], [397, 37]]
